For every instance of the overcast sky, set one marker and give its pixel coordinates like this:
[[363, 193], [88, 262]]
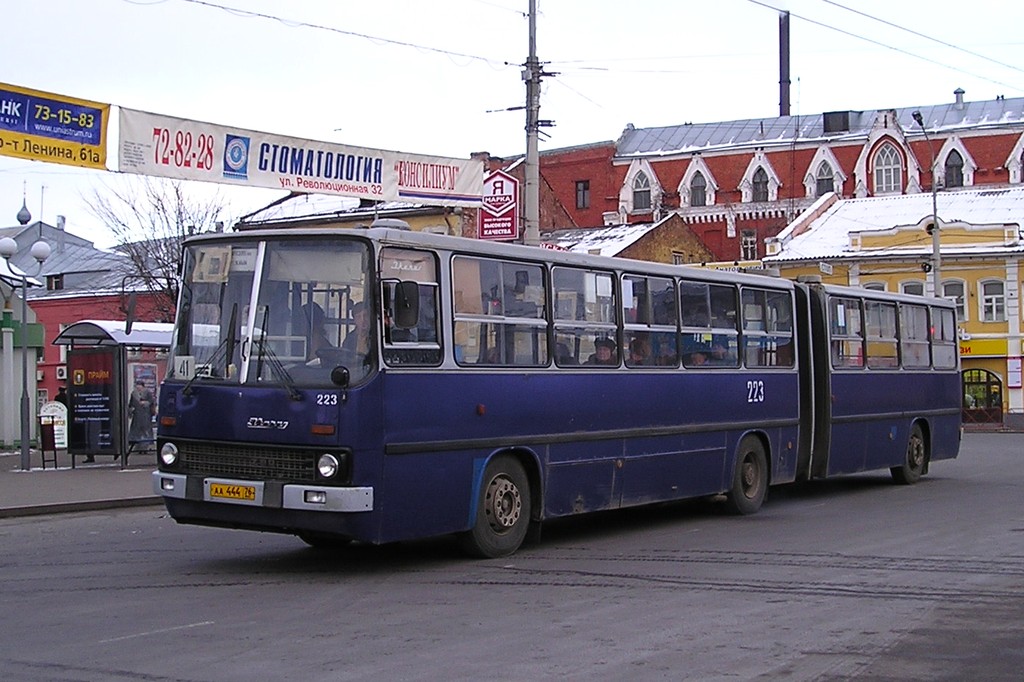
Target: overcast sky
[[436, 77]]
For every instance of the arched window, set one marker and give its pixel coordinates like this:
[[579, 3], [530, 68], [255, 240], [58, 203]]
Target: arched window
[[888, 170], [983, 397], [954, 291], [698, 190], [914, 287], [826, 179], [641, 192], [874, 286], [993, 301], [954, 169], [760, 192]]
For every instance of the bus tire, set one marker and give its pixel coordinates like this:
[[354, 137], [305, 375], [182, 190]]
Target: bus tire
[[502, 511], [914, 461], [749, 479]]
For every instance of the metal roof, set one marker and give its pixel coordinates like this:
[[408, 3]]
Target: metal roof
[[112, 333], [783, 130]]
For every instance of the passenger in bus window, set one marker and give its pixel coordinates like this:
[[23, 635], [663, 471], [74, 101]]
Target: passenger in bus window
[[564, 356], [604, 353], [358, 339], [697, 358], [639, 352], [315, 321], [721, 355]]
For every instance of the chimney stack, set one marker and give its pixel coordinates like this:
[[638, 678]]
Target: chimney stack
[[959, 94], [784, 64]]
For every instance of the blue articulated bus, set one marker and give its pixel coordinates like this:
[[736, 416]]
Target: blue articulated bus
[[381, 385]]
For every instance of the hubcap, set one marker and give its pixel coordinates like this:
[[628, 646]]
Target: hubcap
[[915, 454], [503, 504], [749, 476]]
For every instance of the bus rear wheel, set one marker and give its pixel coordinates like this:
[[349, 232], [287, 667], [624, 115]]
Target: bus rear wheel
[[913, 464], [503, 510], [750, 478]]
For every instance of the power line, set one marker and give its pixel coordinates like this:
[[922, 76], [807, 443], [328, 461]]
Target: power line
[[320, 27], [922, 35], [889, 47]]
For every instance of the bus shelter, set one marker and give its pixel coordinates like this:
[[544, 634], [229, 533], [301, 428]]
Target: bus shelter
[[108, 360]]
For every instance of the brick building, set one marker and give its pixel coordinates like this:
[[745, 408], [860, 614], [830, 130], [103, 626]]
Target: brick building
[[737, 184]]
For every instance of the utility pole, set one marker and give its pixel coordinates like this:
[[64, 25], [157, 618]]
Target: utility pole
[[532, 73], [531, 192]]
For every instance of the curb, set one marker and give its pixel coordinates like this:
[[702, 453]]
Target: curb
[[68, 507]]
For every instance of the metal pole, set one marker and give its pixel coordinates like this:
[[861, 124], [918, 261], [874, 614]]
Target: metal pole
[[531, 189], [26, 462], [936, 243]]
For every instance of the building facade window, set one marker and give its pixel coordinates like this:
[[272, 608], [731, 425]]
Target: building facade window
[[874, 286], [641, 192], [993, 301], [954, 291], [583, 194], [698, 190], [913, 287], [826, 179], [954, 169], [888, 171], [760, 185], [748, 245], [55, 282]]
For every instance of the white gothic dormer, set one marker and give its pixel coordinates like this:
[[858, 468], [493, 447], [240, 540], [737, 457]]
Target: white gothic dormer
[[641, 190], [686, 185], [746, 187], [824, 155]]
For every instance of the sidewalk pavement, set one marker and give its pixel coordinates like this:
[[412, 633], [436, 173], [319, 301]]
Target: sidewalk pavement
[[100, 485]]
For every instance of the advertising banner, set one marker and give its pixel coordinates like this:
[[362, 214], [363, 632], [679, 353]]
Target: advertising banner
[[499, 210], [41, 126], [163, 146], [94, 402]]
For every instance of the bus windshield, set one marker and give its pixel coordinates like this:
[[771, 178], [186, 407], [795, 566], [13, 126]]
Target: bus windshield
[[283, 312]]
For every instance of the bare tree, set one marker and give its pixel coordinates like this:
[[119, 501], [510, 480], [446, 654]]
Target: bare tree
[[149, 219]]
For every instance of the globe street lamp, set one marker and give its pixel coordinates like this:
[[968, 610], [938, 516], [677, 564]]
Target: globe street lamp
[[40, 251], [936, 254]]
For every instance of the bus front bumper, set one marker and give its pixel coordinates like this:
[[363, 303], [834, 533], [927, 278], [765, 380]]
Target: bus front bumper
[[251, 493]]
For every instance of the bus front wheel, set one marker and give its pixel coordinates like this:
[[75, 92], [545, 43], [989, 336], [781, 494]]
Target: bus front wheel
[[913, 463], [750, 478], [503, 510]]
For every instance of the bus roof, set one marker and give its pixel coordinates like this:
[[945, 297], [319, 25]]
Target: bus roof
[[412, 239]]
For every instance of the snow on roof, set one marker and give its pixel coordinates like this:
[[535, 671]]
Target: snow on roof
[[312, 206], [828, 235], [604, 241], [112, 332]]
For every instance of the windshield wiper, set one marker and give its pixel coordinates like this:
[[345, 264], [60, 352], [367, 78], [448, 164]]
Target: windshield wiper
[[228, 343], [275, 364]]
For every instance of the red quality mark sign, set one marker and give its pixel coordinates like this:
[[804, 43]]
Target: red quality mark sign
[[497, 204]]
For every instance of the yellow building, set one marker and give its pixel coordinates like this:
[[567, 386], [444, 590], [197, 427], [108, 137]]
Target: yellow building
[[885, 243]]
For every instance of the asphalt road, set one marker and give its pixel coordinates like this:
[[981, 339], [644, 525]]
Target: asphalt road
[[851, 578]]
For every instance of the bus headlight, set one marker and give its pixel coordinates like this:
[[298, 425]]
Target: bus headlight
[[328, 465], [169, 454]]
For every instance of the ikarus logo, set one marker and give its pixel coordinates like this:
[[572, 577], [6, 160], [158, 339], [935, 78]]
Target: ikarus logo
[[261, 423]]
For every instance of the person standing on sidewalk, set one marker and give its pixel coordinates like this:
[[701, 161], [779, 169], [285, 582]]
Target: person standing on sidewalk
[[141, 409]]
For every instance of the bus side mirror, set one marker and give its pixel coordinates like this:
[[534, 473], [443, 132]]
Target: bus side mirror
[[407, 305], [340, 376]]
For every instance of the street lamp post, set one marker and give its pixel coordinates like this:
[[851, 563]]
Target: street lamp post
[[936, 250], [40, 251]]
